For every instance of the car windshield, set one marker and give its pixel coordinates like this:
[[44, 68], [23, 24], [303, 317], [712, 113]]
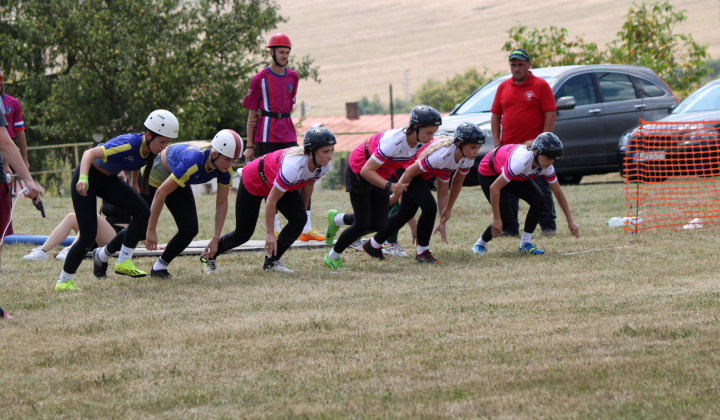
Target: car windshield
[[705, 99], [482, 100]]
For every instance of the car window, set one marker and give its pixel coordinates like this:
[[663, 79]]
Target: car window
[[581, 87], [482, 100], [616, 87], [650, 89], [705, 99]]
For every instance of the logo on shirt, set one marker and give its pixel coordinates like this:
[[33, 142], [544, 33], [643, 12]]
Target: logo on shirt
[[249, 91], [8, 109], [529, 95], [290, 86]]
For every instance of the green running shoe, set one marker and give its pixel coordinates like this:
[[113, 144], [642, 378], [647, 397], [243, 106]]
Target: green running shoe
[[66, 285], [332, 227], [335, 264], [127, 268]]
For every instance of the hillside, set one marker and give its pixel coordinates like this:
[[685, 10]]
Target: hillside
[[362, 47]]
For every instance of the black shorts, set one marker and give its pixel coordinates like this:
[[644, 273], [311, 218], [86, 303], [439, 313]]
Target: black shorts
[[355, 183]]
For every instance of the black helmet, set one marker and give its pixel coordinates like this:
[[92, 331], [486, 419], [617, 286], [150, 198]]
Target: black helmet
[[548, 144], [318, 137], [469, 133], [424, 116]]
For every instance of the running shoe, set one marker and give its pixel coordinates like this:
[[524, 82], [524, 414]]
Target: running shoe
[[426, 257], [394, 249], [127, 268], [275, 265], [479, 250], [357, 245], [163, 274], [549, 232], [335, 264], [311, 235], [36, 254], [373, 252], [528, 248], [209, 265], [99, 267], [332, 228], [66, 285], [62, 255]]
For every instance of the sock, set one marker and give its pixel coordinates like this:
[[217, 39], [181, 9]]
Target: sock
[[375, 243], [333, 255], [481, 242], [525, 238], [277, 223], [160, 265], [125, 254], [65, 277], [422, 249], [103, 255], [338, 219], [308, 224]]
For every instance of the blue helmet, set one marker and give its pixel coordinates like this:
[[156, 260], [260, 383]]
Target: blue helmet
[[425, 116], [318, 137], [469, 133], [548, 144]]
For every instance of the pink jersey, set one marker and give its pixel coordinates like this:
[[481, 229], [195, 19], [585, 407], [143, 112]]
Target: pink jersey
[[441, 163], [13, 115], [514, 163], [388, 148], [286, 173], [273, 93]]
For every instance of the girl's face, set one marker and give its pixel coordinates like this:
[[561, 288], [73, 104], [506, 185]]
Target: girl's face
[[223, 163], [544, 161], [324, 155], [158, 144], [471, 151], [426, 134]]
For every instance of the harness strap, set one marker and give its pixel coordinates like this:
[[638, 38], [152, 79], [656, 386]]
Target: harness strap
[[261, 170], [492, 159], [277, 115]]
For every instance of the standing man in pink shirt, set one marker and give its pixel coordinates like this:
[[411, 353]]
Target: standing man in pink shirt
[[270, 100], [16, 125]]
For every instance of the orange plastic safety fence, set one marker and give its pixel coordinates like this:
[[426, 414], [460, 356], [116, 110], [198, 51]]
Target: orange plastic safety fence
[[672, 175]]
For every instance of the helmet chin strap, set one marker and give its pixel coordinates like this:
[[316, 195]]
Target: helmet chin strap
[[314, 162], [462, 152], [536, 159], [273, 58]]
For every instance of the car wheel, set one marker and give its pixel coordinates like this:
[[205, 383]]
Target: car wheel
[[569, 179]]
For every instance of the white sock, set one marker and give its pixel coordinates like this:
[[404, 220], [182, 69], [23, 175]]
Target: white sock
[[125, 254], [277, 223], [525, 238], [103, 254], [160, 265], [422, 249], [375, 243], [481, 242], [308, 224], [65, 277], [339, 219], [333, 255]]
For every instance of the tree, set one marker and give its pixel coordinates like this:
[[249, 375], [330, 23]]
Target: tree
[[646, 39], [444, 96]]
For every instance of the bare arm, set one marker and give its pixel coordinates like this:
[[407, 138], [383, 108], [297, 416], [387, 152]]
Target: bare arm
[[369, 172], [306, 192], [562, 200], [252, 121], [495, 188], [411, 172], [495, 120], [221, 208], [167, 187], [22, 145], [550, 118], [87, 158], [11, 153]]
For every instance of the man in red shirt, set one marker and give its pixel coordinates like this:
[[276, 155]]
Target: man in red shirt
[[524, 106]]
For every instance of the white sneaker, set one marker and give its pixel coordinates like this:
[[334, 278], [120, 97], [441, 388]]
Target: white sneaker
[[394, 249], [357, 245], [37, 254], [276, 266], [63, 254]]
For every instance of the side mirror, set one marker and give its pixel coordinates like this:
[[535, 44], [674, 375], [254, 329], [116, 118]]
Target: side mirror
[[566, 102]]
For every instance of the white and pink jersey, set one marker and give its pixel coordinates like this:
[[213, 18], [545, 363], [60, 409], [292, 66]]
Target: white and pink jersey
[[286, 173], [388, 148], [514, 163], [441, 163]]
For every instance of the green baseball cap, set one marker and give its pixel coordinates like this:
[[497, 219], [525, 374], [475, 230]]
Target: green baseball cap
[[519, 53]]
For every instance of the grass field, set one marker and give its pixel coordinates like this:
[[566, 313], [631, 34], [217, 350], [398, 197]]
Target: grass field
[[606, 326], [362, 47]]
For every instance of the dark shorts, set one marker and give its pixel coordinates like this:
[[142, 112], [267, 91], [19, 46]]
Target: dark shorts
[[5, 207], [354, 183]]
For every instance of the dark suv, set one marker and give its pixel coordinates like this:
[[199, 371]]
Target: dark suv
[[596, 105]]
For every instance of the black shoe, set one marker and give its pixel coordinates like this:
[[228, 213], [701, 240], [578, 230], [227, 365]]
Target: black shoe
[[549, 232], [426, 257], [99, 267], [373, 252], [163, 274]]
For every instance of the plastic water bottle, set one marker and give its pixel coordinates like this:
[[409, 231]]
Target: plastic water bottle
[[694, 224], [622, 221]]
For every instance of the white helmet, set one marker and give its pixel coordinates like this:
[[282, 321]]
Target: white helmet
[[163, 122], [228, 143]]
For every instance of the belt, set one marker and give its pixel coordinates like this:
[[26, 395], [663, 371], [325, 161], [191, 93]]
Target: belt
[[261, 171], [101, 170], [274, 114], [492, 159]]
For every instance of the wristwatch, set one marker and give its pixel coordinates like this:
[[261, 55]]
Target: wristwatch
[[388, 185]]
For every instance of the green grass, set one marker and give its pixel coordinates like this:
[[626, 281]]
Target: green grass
[[631, 330]]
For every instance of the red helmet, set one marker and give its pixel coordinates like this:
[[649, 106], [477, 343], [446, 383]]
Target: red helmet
[[279, 40]]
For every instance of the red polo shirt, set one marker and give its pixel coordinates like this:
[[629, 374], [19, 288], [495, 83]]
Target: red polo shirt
[[523, 108]]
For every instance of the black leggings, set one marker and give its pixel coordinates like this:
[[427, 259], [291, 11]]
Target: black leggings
[[370, 214], [181, 204], [526, 190], [115, 191], [417, 196], [247, 210]]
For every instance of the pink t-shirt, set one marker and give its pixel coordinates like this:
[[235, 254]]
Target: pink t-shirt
[[441, 163], [287, 173], [514, 163], [388, 148], [13, 115], [273, 93]]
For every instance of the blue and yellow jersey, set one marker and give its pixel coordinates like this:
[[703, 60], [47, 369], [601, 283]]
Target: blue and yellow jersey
[[190, 165], [122, 153]]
